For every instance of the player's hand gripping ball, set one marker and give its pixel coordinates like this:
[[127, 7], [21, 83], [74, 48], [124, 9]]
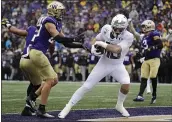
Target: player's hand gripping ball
[[97, 50]]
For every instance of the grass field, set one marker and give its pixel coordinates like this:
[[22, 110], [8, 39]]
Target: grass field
[[104, 95]]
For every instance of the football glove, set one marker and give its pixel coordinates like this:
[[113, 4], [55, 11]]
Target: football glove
[[97, 50], [87, 46], [5, 22]]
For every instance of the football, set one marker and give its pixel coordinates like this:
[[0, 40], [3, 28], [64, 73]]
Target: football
[[99, 49]]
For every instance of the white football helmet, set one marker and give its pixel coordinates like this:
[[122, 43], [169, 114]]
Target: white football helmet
[[56, 9], [148, 25], [119, 24]]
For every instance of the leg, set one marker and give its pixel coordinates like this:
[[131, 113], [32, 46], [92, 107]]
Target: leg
[[144, 76], [148, 86], [68, 73], [73, 74], [154, 66], [44, 90], [94, 77], [122, 76], [47, 73], [30, 72], [29, 89]]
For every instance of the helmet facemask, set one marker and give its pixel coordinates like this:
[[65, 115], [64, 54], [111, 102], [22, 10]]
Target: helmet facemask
[[59, 14], [117, 31]]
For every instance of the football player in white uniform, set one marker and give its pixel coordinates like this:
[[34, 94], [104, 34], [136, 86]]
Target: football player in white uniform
[[115, 40]]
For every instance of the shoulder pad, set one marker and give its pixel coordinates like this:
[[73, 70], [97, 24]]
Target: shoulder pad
[[155, 35], [128, 36], [106, 28], [50, 19]]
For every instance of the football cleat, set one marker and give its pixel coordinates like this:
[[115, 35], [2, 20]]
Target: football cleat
[[138, 99], [27, 111], [64, 112], [43, 114], [153, 100], [31, 103], [122, 110]]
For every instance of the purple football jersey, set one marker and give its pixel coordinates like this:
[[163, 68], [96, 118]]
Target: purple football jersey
[[147, 42], [31, 32], [43, 39]]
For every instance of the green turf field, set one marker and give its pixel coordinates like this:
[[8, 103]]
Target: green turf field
[[104, 95]]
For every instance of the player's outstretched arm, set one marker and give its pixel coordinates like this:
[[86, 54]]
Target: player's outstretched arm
[[51, 28], [13, 29], [85, 45], [133, 31], [17, 31]]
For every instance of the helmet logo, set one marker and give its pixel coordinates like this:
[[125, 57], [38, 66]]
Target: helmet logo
[[119, 22], [54, 7]]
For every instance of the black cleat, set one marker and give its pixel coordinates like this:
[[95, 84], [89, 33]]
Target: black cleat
[[43, 114], [27, 111], [138, 99], [153, 100], [31, 103]]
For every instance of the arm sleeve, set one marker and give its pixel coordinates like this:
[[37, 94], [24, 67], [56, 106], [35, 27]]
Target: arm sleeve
[[63, 40], [73, 45]]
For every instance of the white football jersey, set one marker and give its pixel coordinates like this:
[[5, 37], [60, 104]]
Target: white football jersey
[[125, 40]]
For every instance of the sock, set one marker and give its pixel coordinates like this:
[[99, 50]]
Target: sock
[[77, 96], [148, 86], [154, 86], [142, 86], [41, 107], [29, 89], [121, 98], [33, 96], [35, 87]]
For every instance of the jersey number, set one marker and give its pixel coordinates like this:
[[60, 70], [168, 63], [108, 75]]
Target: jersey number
[[112, 55], [145, 45], [39, 24]]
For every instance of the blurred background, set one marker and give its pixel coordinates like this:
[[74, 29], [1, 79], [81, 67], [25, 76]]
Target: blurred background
[[89, 16]]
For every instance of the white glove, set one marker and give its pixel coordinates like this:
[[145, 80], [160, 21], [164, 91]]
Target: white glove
[[102, 44], [129, 20], [134, 66], [142, 60], [94, 51], [169, 36]]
